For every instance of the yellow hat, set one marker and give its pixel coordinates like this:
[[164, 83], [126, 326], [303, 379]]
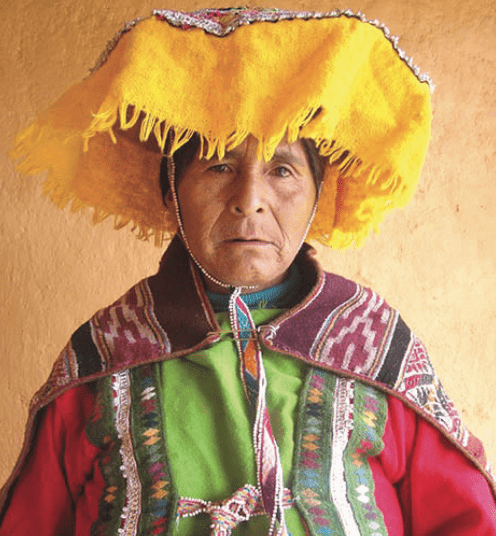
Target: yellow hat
[[333, 77]]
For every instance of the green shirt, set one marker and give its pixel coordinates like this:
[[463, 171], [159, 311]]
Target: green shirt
[[209, 423]]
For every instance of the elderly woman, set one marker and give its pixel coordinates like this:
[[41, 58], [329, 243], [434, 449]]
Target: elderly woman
[[242, 389]]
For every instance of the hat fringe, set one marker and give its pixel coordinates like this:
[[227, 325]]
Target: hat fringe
[[362, 193], [358, 196], [126, 115]]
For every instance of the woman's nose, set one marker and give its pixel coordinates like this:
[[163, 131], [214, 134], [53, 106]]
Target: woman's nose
[[249, 196]]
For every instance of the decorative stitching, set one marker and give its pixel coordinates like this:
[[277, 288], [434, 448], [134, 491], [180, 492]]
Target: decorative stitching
[[267, 457], [102, 433], [340, 426], [122, 408], [144, 290], [129, 329], [357, 327], [138, 495], [369, 420], [158, 494], [312, 456], [420, 385], [226, 515]]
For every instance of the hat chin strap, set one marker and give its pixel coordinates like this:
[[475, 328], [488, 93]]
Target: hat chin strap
[[171, 174], [270, 482]]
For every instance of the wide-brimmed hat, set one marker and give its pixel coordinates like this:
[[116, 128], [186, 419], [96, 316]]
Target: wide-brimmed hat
[[225, 74]]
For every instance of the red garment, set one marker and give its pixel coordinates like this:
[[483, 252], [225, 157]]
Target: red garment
[[57, 494], [423, 484], [57, 489], [439, 490]]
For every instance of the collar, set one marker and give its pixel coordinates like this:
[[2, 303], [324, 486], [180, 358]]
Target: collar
[[281, 296], [339, 325], [181, 304]]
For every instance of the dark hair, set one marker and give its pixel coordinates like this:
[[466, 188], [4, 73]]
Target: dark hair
[[184, 156]]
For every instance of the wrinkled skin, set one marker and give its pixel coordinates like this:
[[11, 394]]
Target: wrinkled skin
[[245, 219]]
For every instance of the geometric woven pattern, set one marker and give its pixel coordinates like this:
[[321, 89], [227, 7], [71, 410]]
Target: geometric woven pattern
[[129, 329], [420, 385], [339, 327], [352, 337], [340, 427]]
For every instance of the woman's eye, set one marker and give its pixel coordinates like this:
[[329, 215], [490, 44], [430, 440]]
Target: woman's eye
[[282, 171], [219, 168]]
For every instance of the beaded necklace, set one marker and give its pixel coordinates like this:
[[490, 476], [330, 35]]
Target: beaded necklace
[[270, 488]]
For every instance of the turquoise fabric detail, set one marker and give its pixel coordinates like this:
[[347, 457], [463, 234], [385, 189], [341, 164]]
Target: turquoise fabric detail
[[208, 423], [281, 296]]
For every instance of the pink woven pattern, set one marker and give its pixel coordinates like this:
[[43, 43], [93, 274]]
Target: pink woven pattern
[[353, 340], [226, 515]]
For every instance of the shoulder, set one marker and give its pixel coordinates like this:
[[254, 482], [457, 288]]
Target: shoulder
[[348, 328], [119, 336]]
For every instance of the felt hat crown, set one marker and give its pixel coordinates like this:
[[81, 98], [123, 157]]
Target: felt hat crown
[[225, 74]]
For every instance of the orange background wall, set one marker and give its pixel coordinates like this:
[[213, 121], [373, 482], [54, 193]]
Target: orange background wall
[[435, 261]]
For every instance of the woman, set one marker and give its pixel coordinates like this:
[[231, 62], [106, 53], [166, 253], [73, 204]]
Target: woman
[[242, 388]]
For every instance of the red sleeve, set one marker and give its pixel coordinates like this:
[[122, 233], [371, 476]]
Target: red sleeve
[[440, 491], [56, 493]]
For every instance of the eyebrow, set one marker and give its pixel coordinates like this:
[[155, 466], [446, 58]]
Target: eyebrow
[[280, 154]]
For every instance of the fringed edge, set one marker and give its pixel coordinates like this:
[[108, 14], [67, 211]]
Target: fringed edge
[[62, 199], [105, 120], [291, 131], [20, 152], [389, 189], [141, 232]]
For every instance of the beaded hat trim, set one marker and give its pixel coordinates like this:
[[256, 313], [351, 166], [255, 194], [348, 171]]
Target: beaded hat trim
[[222, 22]]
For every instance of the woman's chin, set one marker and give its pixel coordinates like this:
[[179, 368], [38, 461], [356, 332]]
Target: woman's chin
[[251, 279]]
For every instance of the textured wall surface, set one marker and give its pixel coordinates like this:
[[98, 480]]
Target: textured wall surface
[[435, 261]]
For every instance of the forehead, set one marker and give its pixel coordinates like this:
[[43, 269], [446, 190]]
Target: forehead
[[292, 152], [304, 150]]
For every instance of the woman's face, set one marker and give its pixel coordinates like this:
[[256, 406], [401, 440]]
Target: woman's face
[[244, 219]]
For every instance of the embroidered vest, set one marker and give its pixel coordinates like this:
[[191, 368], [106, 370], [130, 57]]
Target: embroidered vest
[[340, 425]]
